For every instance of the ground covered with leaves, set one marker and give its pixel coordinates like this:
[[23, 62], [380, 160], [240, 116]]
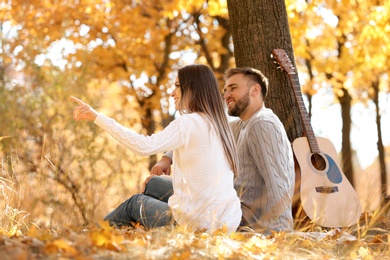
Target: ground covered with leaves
[[365, 241]]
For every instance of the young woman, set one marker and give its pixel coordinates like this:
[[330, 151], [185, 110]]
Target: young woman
[[204, 159]]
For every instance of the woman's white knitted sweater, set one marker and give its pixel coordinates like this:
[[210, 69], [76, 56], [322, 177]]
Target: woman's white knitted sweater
[[204, 195]]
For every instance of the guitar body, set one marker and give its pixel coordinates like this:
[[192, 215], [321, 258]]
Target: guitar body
[[326, 195]]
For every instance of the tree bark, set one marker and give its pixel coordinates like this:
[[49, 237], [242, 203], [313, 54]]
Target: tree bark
[[258, 27], [381, 149], [346, 149], [345, 100]]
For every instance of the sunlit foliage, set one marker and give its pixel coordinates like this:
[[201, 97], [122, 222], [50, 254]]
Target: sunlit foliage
[[121, 57]]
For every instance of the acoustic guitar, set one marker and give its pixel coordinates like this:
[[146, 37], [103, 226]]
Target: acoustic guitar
[[327, 196]]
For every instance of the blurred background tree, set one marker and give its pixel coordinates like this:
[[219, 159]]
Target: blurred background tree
[[337, 42]]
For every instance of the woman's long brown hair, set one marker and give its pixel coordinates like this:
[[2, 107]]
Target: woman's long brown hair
[[200, 93]]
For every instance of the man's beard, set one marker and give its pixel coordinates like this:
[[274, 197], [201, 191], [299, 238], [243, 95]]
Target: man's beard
[[241, 105]]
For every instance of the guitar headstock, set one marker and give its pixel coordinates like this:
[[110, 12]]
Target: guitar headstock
[[283, 60]]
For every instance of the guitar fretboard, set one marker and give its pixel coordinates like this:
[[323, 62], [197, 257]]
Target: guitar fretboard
[[304, 115], [285, 63]]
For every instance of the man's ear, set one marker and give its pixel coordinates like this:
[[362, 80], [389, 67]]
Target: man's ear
[[256, 89]]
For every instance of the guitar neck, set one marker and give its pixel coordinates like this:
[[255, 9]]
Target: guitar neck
[[285, 63], [304, 115]]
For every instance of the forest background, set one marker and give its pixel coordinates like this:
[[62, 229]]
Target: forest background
[[120, 57]]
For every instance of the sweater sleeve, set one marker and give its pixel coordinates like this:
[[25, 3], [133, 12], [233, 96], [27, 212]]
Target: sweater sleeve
[[168, 139], [168, 154]]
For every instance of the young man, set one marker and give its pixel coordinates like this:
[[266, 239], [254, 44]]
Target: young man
[[265, 183]]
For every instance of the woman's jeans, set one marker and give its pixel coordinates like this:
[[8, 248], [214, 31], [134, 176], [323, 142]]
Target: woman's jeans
[[150, 208]]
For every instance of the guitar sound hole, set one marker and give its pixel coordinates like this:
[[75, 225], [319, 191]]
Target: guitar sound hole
[[318, 162]]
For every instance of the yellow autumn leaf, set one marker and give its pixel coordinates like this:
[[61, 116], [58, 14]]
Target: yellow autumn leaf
[[104, 224], [88, 10], [238, 236], [107, 237], [63, 247], [221, 231], [363, 252], [353, 255], [14, 231], [217, 8], [257, 242], [41, 234], [4, 137]]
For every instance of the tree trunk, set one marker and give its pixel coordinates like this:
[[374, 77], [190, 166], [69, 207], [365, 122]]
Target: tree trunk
[[346, 150], [309, 66], [345, 101], [258, 27], [381, 149]]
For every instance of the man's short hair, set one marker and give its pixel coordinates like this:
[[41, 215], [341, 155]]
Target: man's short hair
[[253, 74]]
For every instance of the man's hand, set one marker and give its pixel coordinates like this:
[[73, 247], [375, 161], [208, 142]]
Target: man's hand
[[162, 167], [143, 187], [83, 111]]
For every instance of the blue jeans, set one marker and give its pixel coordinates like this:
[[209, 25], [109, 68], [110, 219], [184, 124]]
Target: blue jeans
[[150, 208]]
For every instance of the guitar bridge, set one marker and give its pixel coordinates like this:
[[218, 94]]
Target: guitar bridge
[[327, 189]]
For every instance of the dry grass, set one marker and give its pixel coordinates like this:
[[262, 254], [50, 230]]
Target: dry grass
[[22, 237], [104, 242]]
